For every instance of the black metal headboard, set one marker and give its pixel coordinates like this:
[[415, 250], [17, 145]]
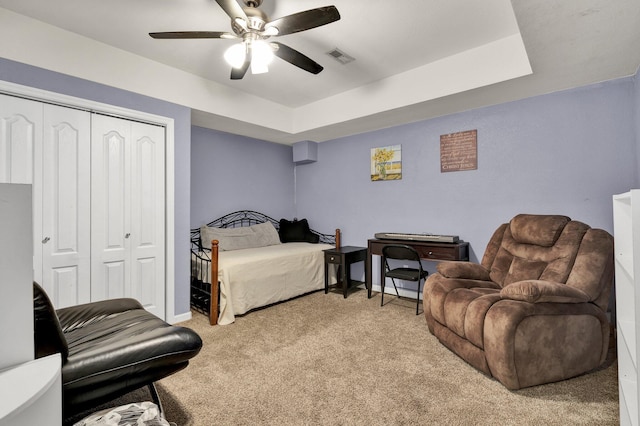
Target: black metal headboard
[[244, 218]]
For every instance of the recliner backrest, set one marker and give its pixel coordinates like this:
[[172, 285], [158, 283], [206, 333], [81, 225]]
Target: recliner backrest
[[48, 337], [533, 247]]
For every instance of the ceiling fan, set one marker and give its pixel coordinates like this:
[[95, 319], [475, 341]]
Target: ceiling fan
[[253, 27]]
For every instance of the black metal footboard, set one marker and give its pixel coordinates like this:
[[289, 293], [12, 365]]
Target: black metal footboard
[[200, 287]]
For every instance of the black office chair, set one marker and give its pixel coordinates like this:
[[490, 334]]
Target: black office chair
[[406, 253]]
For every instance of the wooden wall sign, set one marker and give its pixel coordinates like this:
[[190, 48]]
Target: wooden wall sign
[[459, 151]]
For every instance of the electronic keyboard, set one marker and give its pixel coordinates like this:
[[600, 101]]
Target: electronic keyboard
[[417, 237]]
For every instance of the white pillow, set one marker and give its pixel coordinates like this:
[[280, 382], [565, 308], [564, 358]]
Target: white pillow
[[261, 235], [228, 238], [267, 234]]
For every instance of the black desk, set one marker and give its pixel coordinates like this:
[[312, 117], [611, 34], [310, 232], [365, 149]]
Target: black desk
[[343, 257], [426, 250]]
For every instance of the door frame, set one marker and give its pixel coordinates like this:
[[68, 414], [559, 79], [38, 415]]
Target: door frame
[[35, 94]]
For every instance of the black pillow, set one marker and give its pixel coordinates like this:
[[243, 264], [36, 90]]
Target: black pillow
[[296, 231]]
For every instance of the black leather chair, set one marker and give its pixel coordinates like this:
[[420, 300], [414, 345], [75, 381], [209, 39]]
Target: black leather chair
[[402, 252], [108, 348]]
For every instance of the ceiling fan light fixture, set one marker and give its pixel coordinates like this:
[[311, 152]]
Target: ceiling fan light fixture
[[235, 55], [261, 57], [241, 23], [270, 31], [261, 52], [259, 68]]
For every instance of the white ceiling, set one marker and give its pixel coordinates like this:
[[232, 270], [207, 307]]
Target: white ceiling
[[415, 59]]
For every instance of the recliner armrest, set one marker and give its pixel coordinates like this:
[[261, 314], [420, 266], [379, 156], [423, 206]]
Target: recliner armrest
[[78, 316], [539, 291], [460, 269]]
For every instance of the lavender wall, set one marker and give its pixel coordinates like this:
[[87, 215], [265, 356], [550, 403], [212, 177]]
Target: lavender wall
[[563, 153], [231, 172], [46, 80]]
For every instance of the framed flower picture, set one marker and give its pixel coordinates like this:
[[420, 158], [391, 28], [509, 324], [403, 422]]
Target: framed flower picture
[[386, 163]]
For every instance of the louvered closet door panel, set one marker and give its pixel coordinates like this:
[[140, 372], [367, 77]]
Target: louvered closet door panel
[[110, 210], [147, 216], [66, 243]]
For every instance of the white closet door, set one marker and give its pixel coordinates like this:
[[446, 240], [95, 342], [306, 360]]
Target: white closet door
[[110, 228], [21, 158], [20, 137], [98, 200], [148, 217], [127, 209], [66, 208]]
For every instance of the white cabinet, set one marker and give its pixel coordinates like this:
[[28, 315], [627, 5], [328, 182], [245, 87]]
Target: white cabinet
[[31, 393], [16, 337], [626, 226], [98, 200]]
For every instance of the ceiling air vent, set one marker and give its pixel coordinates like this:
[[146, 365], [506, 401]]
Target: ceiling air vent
[[340, 56]]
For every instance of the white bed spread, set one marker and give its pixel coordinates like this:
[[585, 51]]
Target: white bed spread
[[256, 277]]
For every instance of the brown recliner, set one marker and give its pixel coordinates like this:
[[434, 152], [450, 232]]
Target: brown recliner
[[534, 310]]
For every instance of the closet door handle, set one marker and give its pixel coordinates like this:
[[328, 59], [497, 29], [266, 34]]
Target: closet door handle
[[46, 240], [127, 235]]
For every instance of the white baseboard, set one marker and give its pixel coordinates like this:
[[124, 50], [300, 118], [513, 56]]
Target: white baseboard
[[181, 318], [388, 289]]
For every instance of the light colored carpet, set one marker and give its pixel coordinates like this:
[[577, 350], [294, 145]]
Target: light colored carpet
[[323, 359]]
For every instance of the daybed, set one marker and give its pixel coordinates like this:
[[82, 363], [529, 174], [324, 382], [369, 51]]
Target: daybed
[[534, 310], [247, 260]]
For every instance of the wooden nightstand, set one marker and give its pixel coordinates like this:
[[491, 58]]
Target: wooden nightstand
[[344, 257]]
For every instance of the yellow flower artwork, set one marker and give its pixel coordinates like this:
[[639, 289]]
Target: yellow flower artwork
[[386, 163]]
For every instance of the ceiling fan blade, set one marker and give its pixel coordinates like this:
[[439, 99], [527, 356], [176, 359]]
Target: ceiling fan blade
[[233, 9], [306, 20], [238, 73], [296, 58], [192, 34]]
